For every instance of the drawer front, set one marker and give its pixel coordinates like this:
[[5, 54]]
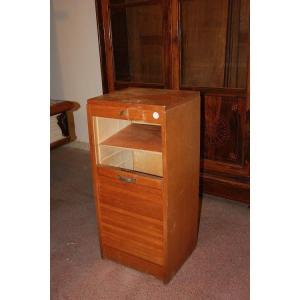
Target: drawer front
[[131, 210], [129, 113], [148, 116], [144, 180], [130, 196], [131, 233], [115, 112], [131, 213]]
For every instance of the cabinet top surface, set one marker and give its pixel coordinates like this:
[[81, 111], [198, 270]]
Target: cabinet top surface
[[163, 98]]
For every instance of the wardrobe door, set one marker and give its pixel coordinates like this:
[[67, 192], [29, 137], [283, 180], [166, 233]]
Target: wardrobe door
[[214, 43], [203, 42], [214, 48]]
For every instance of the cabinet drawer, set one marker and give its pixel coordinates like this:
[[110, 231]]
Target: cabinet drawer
[[148, 116], [145, 179], [115, 112], [131, 196]]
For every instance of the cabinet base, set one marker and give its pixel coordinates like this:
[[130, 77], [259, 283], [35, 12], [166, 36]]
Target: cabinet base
[[134, 262], [226, 188]]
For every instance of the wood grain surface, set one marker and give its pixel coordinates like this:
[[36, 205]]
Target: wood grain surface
[[149, 222], [137, 136]]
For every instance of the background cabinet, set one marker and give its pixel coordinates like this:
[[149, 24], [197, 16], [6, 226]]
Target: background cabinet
[[197, 45]]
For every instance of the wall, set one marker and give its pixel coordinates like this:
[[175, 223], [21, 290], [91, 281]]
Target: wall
[[75, 62]]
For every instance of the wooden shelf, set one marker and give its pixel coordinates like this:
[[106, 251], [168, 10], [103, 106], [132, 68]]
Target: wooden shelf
[[137, 136]]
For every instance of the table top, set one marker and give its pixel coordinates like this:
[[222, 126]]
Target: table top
[[59, 106]]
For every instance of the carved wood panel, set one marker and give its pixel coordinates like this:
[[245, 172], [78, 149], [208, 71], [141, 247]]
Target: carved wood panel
[[223, 124]]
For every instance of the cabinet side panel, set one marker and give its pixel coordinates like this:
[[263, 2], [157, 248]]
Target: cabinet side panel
[[92, 142], [182, 154]]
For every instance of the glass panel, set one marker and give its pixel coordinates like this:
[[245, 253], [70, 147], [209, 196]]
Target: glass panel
[[214, 47], [137, 41]]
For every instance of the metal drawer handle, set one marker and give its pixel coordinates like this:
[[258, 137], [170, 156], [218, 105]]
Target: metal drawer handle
[[127, 179], [123, 113]]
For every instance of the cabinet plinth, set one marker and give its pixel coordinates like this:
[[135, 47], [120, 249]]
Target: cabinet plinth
[[145, 149]]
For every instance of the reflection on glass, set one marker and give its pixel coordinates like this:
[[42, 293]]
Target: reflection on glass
[[214, 45], [137, 42]]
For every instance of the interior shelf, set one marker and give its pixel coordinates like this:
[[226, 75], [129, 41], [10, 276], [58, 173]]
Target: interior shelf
[[137, 136]]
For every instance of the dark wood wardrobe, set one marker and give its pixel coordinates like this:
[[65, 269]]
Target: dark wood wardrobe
[[200, 45]]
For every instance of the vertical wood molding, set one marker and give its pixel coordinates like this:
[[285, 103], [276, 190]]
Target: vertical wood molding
[[167, 44], [101, 46], [248, 83], [232, 44], [175, 44], [108, 45], [247, 116]]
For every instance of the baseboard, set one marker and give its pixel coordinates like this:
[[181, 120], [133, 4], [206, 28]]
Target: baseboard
[[225, 188], [79, 145]]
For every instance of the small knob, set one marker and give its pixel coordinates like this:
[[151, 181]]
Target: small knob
[[155, 115]]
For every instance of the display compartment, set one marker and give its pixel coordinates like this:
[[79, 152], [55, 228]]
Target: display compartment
[[128, 145]]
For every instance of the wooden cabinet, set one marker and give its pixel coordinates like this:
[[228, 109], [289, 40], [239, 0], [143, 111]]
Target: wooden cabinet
[[198, 45], [145, 150]]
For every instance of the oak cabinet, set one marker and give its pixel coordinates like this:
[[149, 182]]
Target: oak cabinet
[[199, 45], [145, 150]]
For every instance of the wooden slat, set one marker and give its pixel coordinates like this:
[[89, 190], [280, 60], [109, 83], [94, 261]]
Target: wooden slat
[[133, 261], [131, 235], [132, 222], [126, 244]]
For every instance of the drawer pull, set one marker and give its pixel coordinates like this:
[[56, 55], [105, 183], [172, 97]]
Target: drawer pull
[[123, 113], [155, 115], [127, 179]]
